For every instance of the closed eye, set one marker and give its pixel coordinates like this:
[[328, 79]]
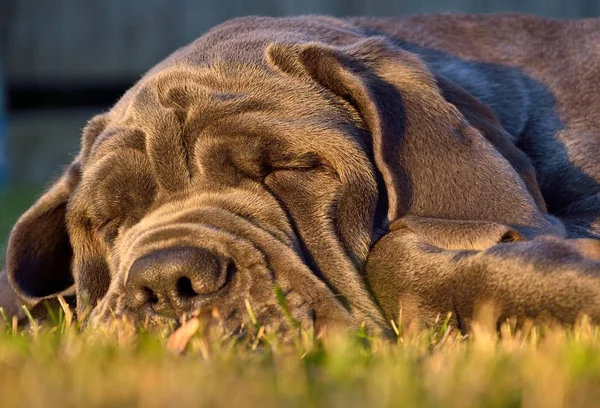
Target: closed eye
[[108, 229], [302, 162]]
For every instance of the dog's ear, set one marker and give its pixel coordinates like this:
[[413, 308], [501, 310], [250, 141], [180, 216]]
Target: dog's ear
[[432, 161], [39, 254], [483, 118]]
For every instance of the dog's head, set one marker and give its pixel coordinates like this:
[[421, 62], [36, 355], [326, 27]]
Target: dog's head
[[211, 184]]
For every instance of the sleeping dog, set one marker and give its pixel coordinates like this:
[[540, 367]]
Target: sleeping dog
[[353, 167]]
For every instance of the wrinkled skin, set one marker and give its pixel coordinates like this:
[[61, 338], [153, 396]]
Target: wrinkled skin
[[273, 154]]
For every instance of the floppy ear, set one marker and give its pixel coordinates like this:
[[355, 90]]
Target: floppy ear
[[39, 253], [432, 161], [483, 118]]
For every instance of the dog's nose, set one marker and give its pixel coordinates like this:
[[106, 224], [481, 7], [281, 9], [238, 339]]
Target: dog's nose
[[171, 280]]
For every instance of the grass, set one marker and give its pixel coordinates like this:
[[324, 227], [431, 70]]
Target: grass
[[58, 364]]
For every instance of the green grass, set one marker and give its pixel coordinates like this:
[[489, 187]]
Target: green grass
[[14, 201], [57, 364]]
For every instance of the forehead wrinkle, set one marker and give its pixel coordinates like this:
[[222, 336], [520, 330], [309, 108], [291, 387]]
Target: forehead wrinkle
[[214, 108], [210, 91], [164, 142], [94, 128], [169, 155], [173, 107], [222, 90], [116, 137]]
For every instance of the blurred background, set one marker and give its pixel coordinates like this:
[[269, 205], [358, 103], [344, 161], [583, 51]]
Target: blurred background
[[61, 61]]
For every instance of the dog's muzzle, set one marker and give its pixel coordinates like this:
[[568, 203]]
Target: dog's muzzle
[[173, 281]]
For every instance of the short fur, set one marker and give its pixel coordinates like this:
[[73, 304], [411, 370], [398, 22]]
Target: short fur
[[285, 147]]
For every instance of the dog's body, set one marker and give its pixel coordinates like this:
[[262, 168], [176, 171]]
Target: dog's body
[[272, 154]]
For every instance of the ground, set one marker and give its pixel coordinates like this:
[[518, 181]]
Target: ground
[[59, 364]]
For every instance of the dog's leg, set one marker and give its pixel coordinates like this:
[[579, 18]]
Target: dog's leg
[[412, 271]]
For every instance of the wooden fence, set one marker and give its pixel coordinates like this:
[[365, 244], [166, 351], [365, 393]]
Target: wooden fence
[[64, 40]]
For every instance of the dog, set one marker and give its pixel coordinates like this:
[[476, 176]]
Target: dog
[[342, 170]]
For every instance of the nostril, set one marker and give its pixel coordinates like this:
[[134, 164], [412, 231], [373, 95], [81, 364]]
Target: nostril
[[150, 295], [185, 288], [231, 270], [140, 296], [171, 280]]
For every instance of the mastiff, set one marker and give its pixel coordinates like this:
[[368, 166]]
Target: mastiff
[[352, 169]]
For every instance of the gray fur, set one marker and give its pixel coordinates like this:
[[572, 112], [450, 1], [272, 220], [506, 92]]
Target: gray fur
[[276, 153]]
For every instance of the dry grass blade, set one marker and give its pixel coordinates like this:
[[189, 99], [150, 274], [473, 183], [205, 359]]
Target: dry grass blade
[[67, 311], [180, 338]]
